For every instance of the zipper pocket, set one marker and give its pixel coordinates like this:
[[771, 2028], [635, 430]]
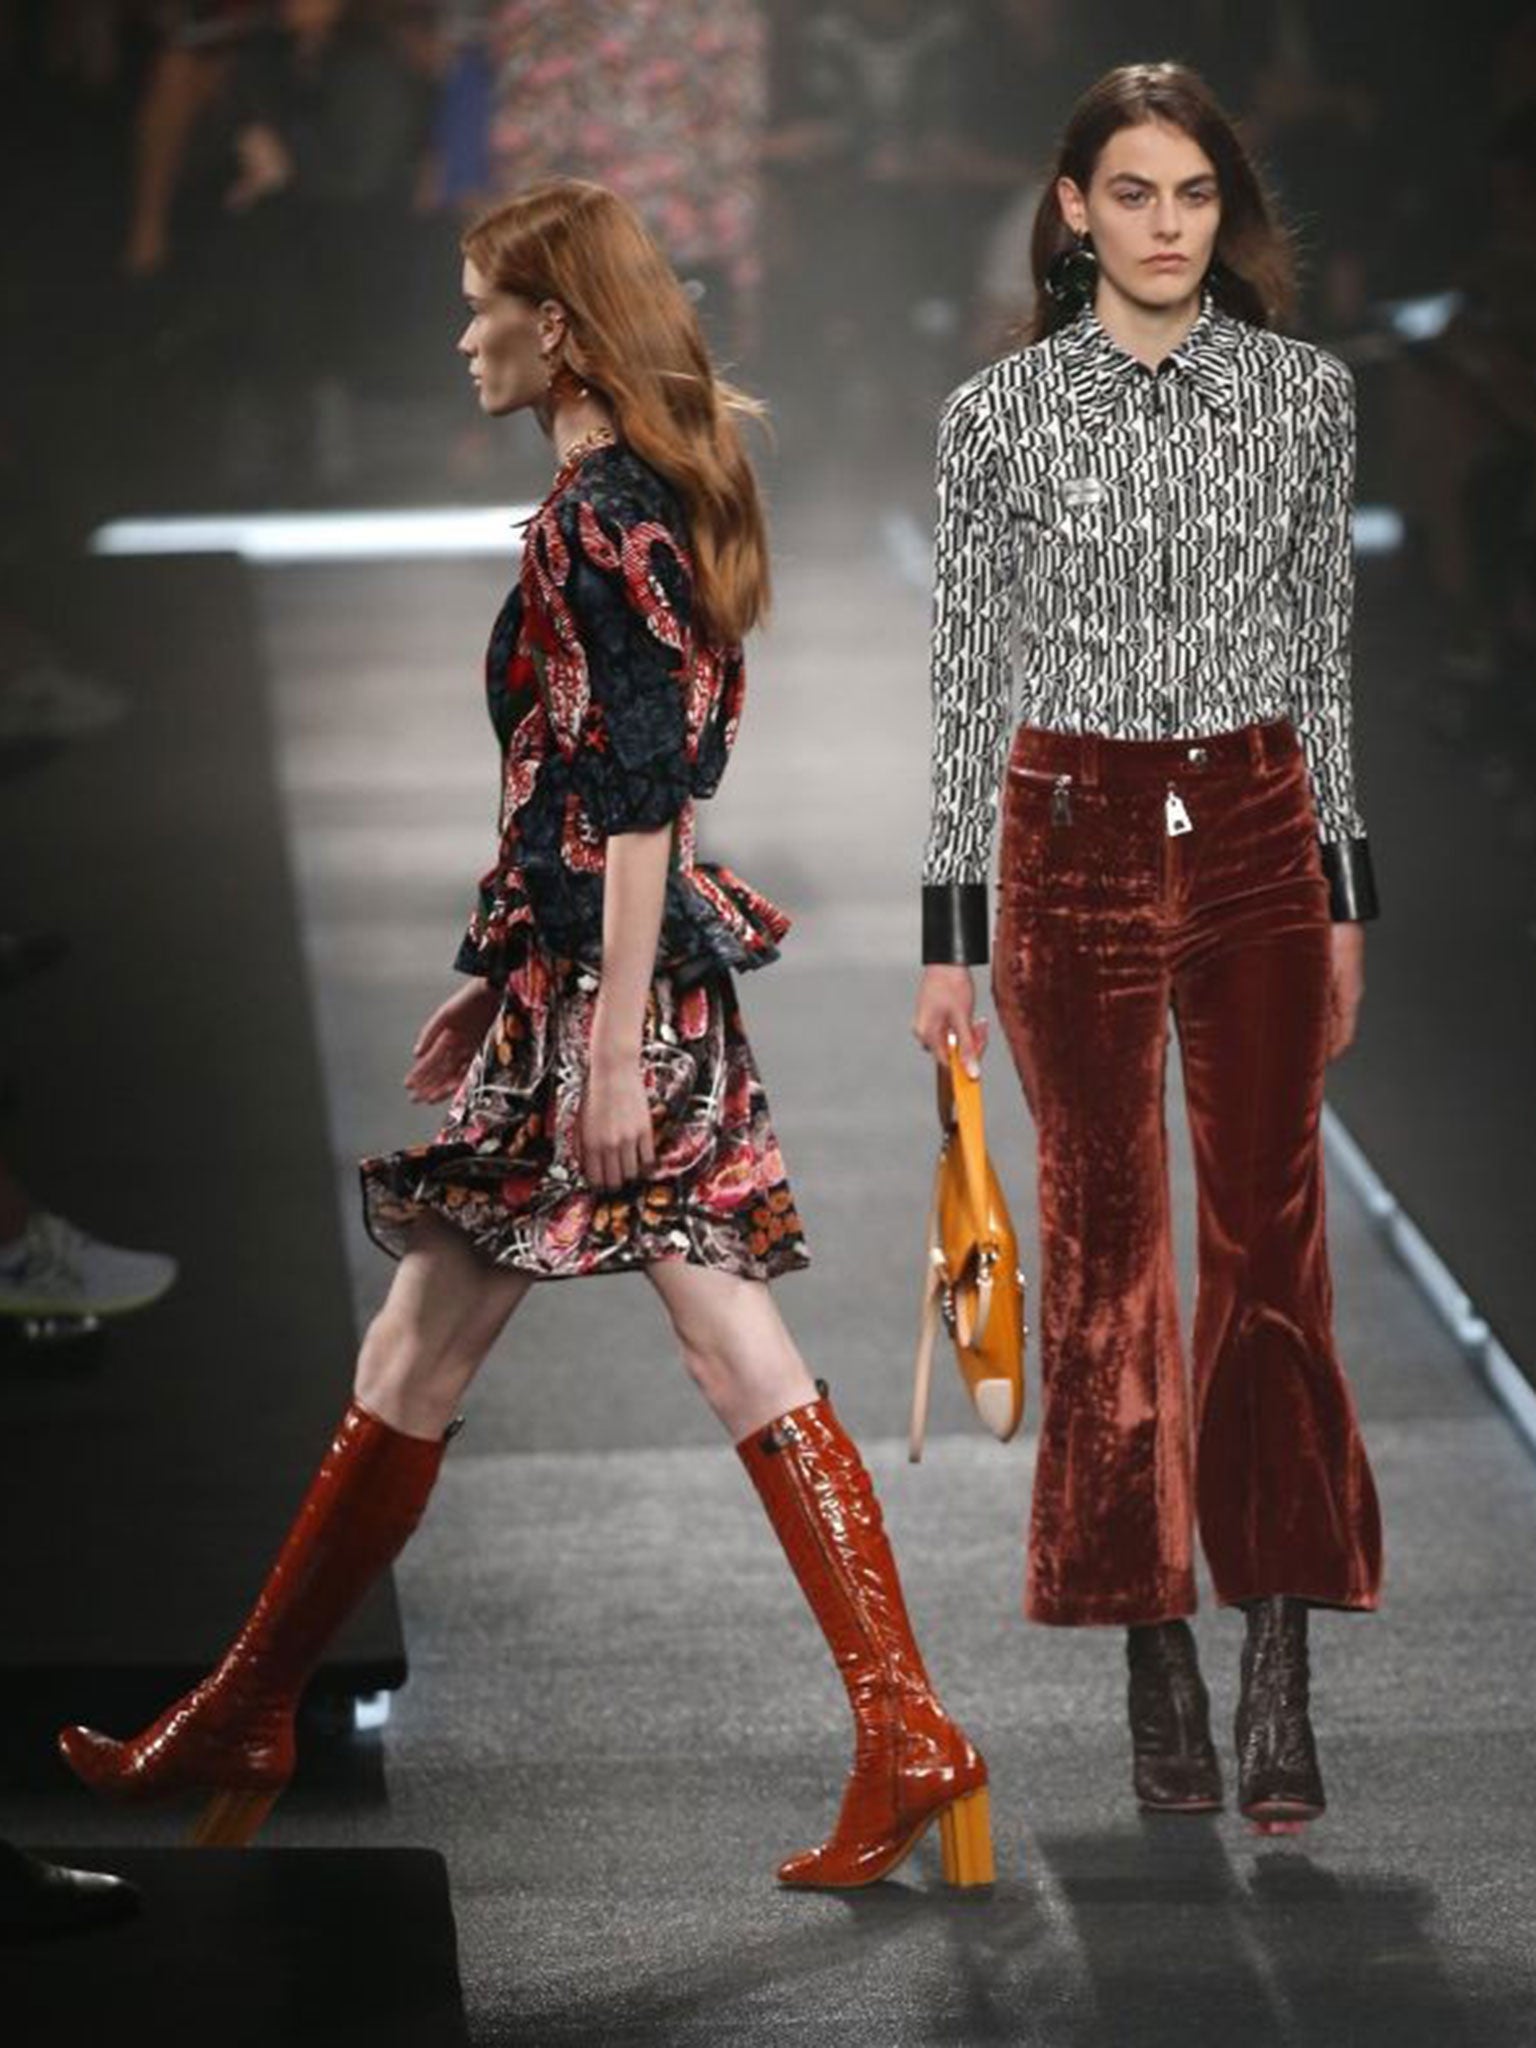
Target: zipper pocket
[[1060, 787]]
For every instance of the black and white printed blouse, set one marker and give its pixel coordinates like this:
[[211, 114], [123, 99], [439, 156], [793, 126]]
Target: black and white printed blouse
[[1146, 554]]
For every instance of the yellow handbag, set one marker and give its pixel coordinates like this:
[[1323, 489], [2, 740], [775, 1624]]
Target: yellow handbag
[[974, 1283]]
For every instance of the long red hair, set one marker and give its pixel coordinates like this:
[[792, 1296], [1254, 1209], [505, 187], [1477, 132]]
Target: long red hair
[[632, 335]]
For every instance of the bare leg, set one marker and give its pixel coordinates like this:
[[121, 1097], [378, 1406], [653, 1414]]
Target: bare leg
[[182, 84], [912, 1765], [445, 1309], [734, 1344]]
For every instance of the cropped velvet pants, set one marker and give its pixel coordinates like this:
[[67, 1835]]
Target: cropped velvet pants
[[1141, 879]]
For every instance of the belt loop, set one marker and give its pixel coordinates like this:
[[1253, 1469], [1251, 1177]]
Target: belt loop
[[1090, 760], [1258, 753]]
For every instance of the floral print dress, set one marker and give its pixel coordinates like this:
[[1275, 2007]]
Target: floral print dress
[[613, 716]]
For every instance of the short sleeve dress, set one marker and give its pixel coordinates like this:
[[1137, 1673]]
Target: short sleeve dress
[[613, 716]]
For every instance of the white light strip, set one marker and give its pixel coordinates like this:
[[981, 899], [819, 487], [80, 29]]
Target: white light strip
[[1438, 1284], [1511, 1389], [275, 538]]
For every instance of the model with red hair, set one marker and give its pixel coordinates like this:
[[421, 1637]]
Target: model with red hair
[[605, 1112]]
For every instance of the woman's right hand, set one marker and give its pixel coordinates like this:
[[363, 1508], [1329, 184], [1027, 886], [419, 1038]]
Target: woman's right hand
[[265, 166], [946, 1002], [449, 1040]]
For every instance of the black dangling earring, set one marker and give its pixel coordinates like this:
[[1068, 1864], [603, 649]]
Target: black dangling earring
[[1073, 275]]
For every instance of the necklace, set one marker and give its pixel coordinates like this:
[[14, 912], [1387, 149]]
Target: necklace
[[595, 437]]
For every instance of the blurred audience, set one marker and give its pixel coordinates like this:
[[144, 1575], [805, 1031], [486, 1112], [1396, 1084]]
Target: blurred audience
[[328, 127], [869, 121], [1465, 428], [661, 100], [459, 173], [185, 78], [849, 184], [52, 1270]]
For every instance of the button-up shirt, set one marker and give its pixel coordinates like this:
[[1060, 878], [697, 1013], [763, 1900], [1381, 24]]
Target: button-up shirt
[[1146, 553]]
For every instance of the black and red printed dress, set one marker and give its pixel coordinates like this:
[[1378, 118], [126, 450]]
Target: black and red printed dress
[[613, 716]]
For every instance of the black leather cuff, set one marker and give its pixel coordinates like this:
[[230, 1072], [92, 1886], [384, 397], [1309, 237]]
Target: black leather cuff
[[1351, 881], [955, 924]]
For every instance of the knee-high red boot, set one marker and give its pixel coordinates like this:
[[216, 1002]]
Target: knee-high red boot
[[232, 1735], [912, 1765]]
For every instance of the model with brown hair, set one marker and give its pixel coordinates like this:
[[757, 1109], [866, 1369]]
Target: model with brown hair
[[606, 1114], [1150, 505]]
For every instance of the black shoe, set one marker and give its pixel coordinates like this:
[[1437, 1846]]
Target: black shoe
[[1280, 1787], [1174, 1767], [39, 1898]]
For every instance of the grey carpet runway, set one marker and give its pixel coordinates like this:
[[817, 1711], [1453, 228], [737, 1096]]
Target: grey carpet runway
[[620, 1716]]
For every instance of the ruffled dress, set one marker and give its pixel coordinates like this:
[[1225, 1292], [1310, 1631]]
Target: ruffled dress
[[612, 716]]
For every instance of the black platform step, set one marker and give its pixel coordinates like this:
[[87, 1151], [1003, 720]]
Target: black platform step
[[169, 1096], [250, 1948]]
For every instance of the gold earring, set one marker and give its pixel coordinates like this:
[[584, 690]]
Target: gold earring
[[557, 374]]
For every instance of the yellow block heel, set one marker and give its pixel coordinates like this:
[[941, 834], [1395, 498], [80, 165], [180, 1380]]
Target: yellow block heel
[[230, 1819], [965, 1840]]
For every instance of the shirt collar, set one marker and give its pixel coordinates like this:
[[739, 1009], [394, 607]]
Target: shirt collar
[[1102, 371]]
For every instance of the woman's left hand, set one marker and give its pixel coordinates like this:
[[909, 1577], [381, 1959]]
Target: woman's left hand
[[449, 1040], [1346, 985], [617, 1141]]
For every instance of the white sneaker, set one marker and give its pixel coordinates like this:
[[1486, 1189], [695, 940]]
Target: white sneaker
[[55, 1269]]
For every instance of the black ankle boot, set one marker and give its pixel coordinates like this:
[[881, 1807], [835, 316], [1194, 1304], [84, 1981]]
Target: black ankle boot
[[38, 1898], [1280, 1787], [1174, 1767]]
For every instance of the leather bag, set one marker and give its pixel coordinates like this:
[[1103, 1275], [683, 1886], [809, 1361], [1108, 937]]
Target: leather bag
[[974, 1285]]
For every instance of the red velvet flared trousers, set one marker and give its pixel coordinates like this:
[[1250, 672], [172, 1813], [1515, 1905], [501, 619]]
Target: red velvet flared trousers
[[1111, 916]]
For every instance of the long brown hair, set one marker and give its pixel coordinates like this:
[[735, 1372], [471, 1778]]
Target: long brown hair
[[633, 336], [1253, 269]]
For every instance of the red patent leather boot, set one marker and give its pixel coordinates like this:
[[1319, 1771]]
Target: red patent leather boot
[[232, 1735], [912, 1765]]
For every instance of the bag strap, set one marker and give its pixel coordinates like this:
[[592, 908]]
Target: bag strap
[[928, 1329]]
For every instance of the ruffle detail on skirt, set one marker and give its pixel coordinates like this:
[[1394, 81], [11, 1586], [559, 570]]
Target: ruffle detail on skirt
[[712, 919], [501, 933], [742, 927]]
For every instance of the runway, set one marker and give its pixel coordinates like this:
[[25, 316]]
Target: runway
[[619, 1716]]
